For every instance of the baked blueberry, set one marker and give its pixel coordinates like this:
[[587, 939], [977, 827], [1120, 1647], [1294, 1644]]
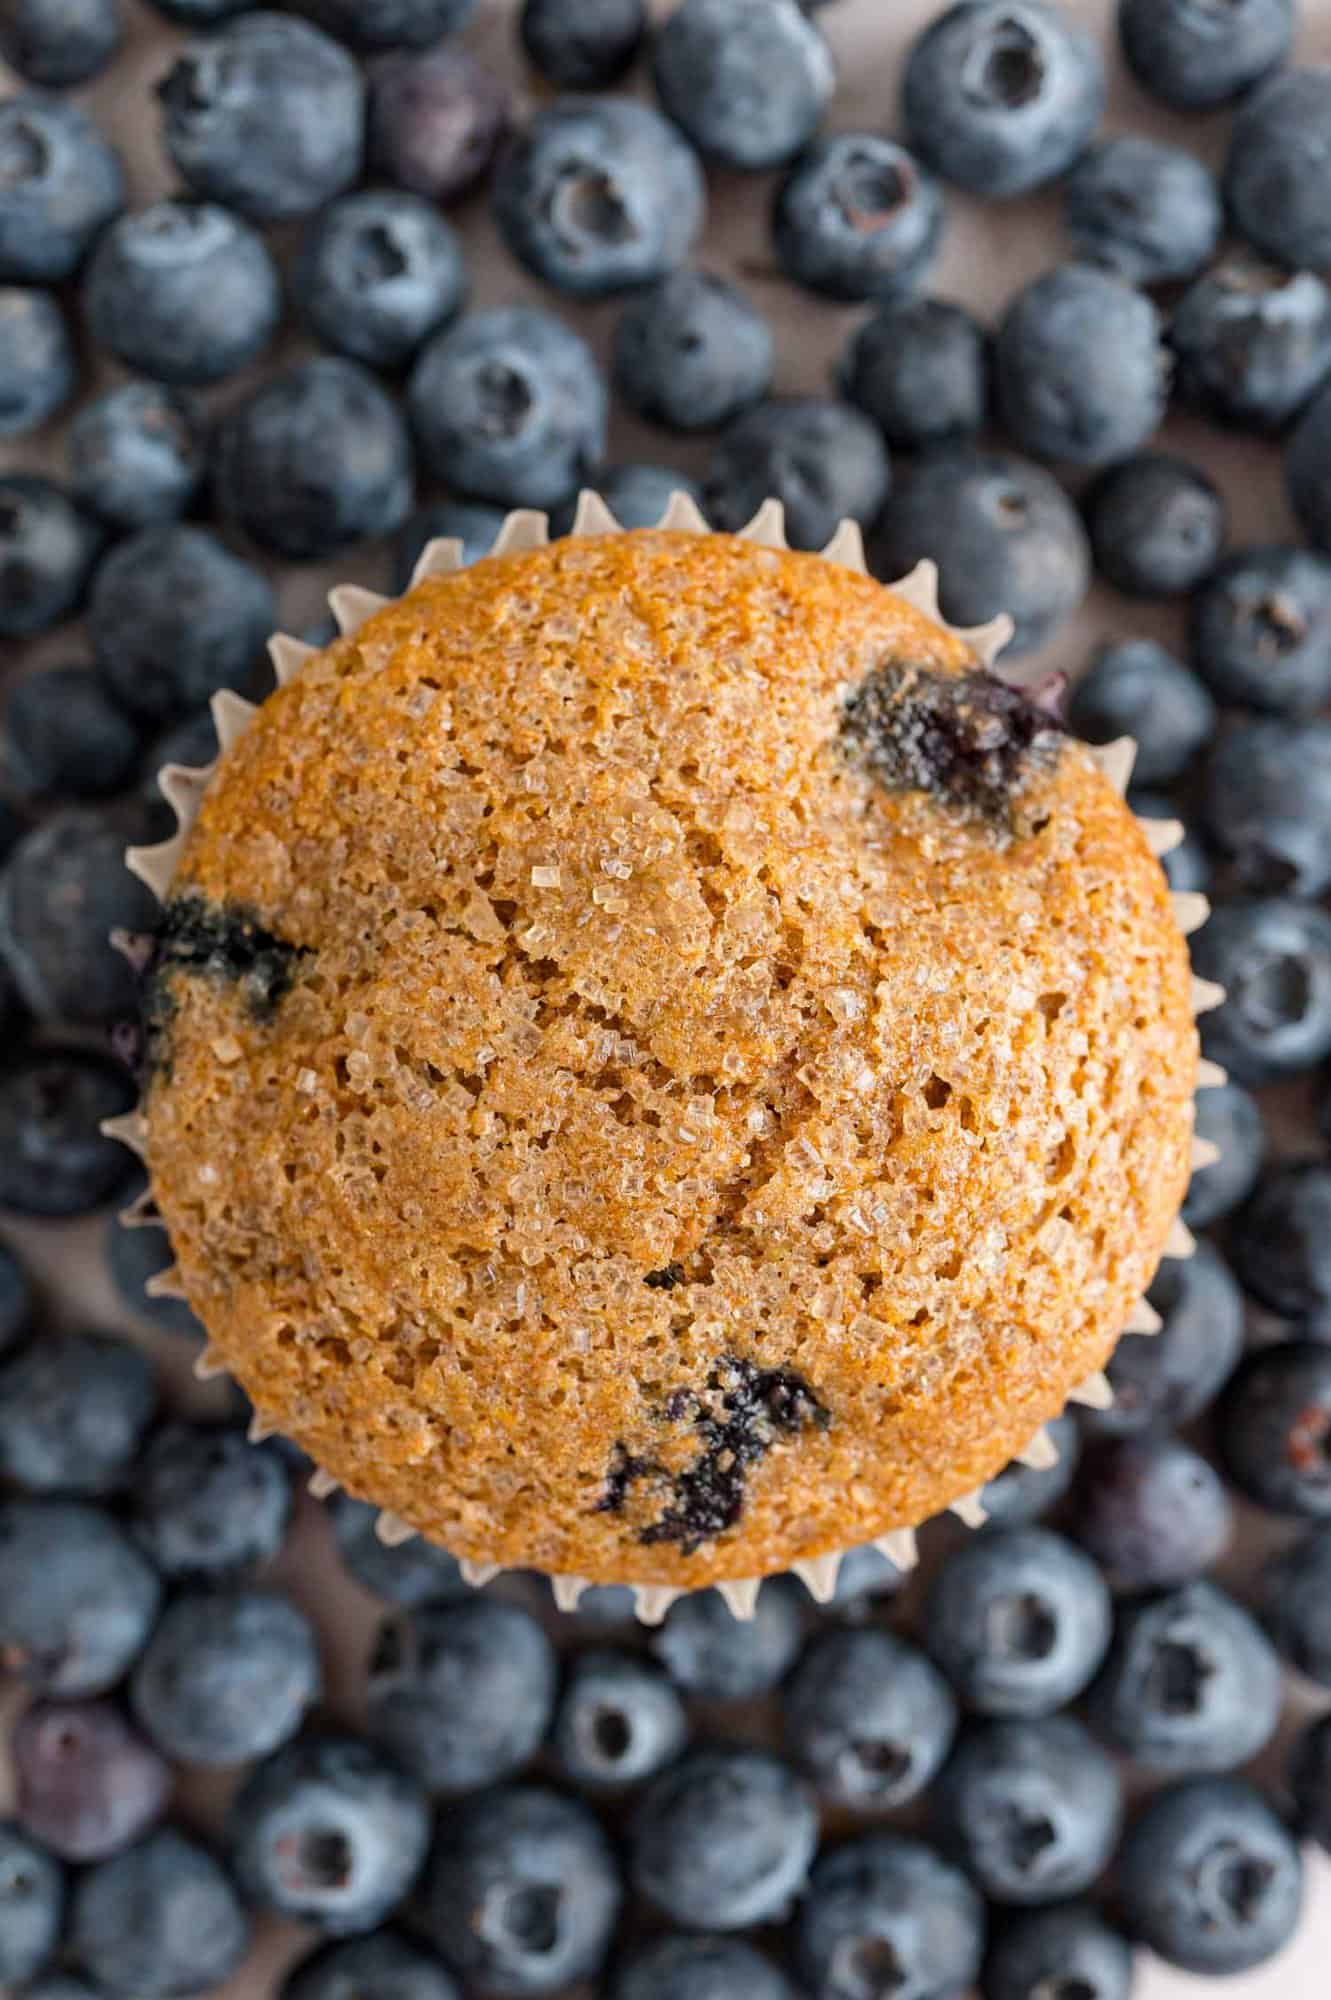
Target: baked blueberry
[[435, 119], [266, 116], [1149, 212], [691, 352], [1169, 1377], [509, 406], [1251, 343], [1310, 1781], [1066, 1953], [884, 1913], [748, 80], [1273, 958], [160, 1921], [135, 455], [1267, 801], [1022, 1493], [723, 1839], [1209, 1878], [408, 1574], [1195, 57], [32, 1904], [1081, 370], [707, 1651], [77, 1600], [1001, 96], [1281, 1244], [38, 366], [133, 1256], [61, 182], [857, 218], [74, 1408], [677, 1967], [1274, 1428], [87, 1784], [55, 1160], [1004, 534], [1157, 525], [868, 1718], [822, 459], [226, 1676], [174, 616], [1230, 1118], [56, 45], [63, 890], [208, 1504], [1278, 169], [392, 24], [582, 44], [66, 737], [1294, 1599], [617, 1722], [467, 521], [1018, 1619], [377, 273], [1031, 1809], [1136, 688], [379, 1966], [47, 551], [1150, 1510], [1308, 470], [920, 369]]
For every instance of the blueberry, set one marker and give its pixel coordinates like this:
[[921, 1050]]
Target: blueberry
[[38, 368], [1273, 957], [1001, 96], [328, 1831], [17, 1305], [1157, 525], [1310, 1781], [266, 116], [748, 80], [47, 551], [823, 460], [598, 195], [226, 1676], [1081, 370], [1308, 470], [409, 1574], [198, 13], [1251, 343], [461, 1693], [866, 1574], [1278, 170], [618, 1720], [868, 1718], [1149, 212], [691, 352], [509, 406], [1136, 688], [207, 1504], [1022, 1493], [1209, 1878], [377, 273], [65, 736], [1267, 801], [61, 182], [1067, 1953], [677, 1967], [708, 1651], [74, 1408], [1295, 1603], [160, 1921], [55, 1161], [884, 1916], [1282, 1243], [1195, 57], [56, 43], [1169, 1377], [191, 742], [64, 889], [1187, 866], [436, 118], [381, 1966], [637, 495], [1018, 1619], [1274, 1428], [60, 1986], [1228, 1117], [1031, 1808], [392, 24], [1003, 533], [174, 617], [135, 455], [582, 44], [723, 1839], [466, 521], [32, 1903], [920, 369], [857, 217], [77, 1600], [133, 1256], [1151, 1511], [87, 1784]]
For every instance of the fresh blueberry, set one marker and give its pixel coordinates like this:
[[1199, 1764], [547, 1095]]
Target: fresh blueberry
[[920, 369], [748, 80], [392, 24], [267, 116], [191, 742], [328, 1831], [38, 367], [1310, 1781], [1295, 1603], [1170, 1376], [64, 736], [60, 1986], [32, 1904], [509, 406], [1274, 1429], [55, 1160], [465, 521], [866, 1575], [523, 1892], [618, 1720], [17, 1305], [207, 1504], [868, 1718], [461, 1693], [87, 1784], [1018, 1619], [198, 13], [857, 218], [1209, 1878], [1030, 1808], [886, 1916], [597, 195], [377, 273], [1251, 343], [56, 43], [175, 616], [1282, 1244], [409, 1574], [381, 1966], [1227, 1117], [133, 1256], [47, 551], [160, 1921], [707, 1651], [637, 495], [227, 1676], [1157, 525], [691, 352], [1261, 630], [1273, 958], [436, 117], [677, 1967], [1267, 801], [1066, 1953], [1308, 470], [1081, 370], [1278, 170], [1194, 57], [77, 1600], [582, 44], [135, 455], [1149, 212], [723, 1839], [61, 182], [1001, 96], [1004, 534], [1022, 1493], [1136, 688], [1188, 865], [1151, 1511], [64, 889], [822, 459], [74, 1408]]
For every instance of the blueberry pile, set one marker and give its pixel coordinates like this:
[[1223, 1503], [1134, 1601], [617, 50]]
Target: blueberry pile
[[923, 1786]]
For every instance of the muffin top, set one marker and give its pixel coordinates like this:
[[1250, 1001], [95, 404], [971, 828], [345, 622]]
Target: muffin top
[[660, 1066]]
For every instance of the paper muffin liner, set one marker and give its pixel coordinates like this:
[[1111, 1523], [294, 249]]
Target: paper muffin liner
[[351, 604]]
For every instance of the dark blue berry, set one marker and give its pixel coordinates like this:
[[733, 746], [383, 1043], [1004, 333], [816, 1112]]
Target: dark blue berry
[[60, 1986], [637, 495], [266, 116], [1278, 170], [409, 1574], [1018, 1619], [436, 117], [1136, 688], [160, 1921], [1066, 1953], [56, 43], [1227, 1117], [466, 521], [1274, 1428], [1294, 1599], [748, 80], [723, 1839], [1149, 212], [1004, 534], [63, 890], [1022, 1493], [1151, 1511], [208, 1504], [866, 1574], [461, 1693], [597, 195], [857, 218], [174, 616], [1209, 1878], [523, 1892], [54, 1158], [227, 1676], [1282, 1244], [823, 460], [1261, 630], [135, 455], [77, 1600], [1030, 1808], [1170, 1376], [17, 1305], [87, 1784], [38, 367], [618, 1720], [1273, 958], [920, 369], [328, 1831], [1194, 57], [64, 736], [381, 1966], [378, 272], [1308, 470], [392, 24], [582, 44], [32, 1904], [47, 550], [61, 182], [1310, 1781], [74, 1408], [1157, 525], [708, 1651], [191, 742], [884, 1916], [1081, 370], [1251, 343], [868, 1718], [691, 352], [1187, 866], [198, 13], [133, 1256], [183, 291], [1267, 801], [1001, 96], [677, 1967]]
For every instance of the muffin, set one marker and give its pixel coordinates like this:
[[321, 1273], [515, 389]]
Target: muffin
[[661, 1067]]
